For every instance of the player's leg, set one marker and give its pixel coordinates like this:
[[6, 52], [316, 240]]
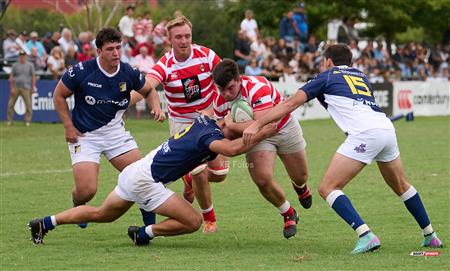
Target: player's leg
[[112, 208], [85, 182], [124, 155], [261, 166], [182, 219], [393, 174], [296, 165], [203, 194], [218, 169], [342, 170]]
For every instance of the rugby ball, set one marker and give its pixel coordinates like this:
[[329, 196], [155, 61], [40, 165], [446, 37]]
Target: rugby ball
[[241, 111]]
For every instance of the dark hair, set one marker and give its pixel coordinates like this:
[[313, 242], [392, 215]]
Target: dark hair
[[107, 35], [340, 54], [225, 71]]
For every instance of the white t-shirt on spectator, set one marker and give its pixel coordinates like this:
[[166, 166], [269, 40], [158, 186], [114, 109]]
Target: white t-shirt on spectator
[[56, 63], [250, 27], [126, 26], [258, 48]]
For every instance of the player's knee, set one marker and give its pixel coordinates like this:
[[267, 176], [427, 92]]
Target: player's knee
[[216, 178], [194, 223], [301, 178], [264, 184]]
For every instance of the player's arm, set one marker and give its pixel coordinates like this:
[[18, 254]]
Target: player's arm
[[274, 114], [60, 95], [152, 98], [239, 127], [235, 147]]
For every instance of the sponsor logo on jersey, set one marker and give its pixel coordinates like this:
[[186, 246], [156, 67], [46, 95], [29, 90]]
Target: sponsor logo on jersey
[[90, 100], [76, 148], [71, 72], [95, 85], [257, 102], [122, 86], [191, 87]]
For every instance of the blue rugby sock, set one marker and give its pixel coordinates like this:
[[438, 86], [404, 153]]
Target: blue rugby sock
[[415, 206], [344, 208], [149, 218], [48, 224]]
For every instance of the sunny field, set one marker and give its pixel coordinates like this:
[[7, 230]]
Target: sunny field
[[36, 180]]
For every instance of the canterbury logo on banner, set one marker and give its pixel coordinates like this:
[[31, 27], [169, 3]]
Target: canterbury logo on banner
[[403, 100]]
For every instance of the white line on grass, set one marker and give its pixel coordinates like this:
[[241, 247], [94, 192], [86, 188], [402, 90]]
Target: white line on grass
[[50, 171]]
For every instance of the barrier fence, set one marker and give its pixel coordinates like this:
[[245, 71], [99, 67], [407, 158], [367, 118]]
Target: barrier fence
[[422, 98]]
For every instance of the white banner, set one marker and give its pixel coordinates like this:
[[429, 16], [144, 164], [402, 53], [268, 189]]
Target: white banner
[[422, 98], [310, 110]]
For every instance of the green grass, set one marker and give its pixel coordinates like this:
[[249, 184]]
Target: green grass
[[36, 180]]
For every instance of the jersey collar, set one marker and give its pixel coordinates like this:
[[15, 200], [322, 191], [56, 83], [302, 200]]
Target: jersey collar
[[105, 72]]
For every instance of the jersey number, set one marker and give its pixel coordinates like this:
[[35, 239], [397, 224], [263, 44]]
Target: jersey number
[[354, 82], [182, 133]]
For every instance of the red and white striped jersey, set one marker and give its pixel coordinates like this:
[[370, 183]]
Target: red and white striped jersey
[[258, 92], [188, 85]]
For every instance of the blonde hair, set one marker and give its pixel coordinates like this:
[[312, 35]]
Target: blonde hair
[[178, 21]]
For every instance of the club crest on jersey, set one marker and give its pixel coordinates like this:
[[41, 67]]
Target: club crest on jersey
[[202, 68], [122, 86], [361, 148]]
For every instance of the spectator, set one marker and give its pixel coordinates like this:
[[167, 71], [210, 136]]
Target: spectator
[[160, 33], [35, 43], [55, 63], [148, 44], [301, 23], [356, 53], [22, 82], [83, 38], [148, 24], [258, 49], [126, 22], [242, 50], [250, 26], [143, 61], [138, 29], [287, 28], [311, 45], [51, 41], [253, 68], [127, 55], [21, 40], [10, 48], [85, 54], [39, 63], [66, 40], [346, 31], [71, 58]]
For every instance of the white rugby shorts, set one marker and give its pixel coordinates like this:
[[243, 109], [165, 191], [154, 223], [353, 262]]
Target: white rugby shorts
[[90, 146], [136, 184], [375, 144]]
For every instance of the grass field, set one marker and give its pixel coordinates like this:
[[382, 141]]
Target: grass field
[[36, 180]]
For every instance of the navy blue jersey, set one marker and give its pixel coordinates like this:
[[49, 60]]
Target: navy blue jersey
[[185, 150], [100, 98], [347, 95]]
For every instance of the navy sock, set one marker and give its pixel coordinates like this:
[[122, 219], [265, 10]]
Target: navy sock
[[415, 207], [142, 235], [149, 218], [345, 210], [48, 225]]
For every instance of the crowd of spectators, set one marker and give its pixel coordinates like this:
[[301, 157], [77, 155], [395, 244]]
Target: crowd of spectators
[[293, 56], [54, 52], [296, 54]]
